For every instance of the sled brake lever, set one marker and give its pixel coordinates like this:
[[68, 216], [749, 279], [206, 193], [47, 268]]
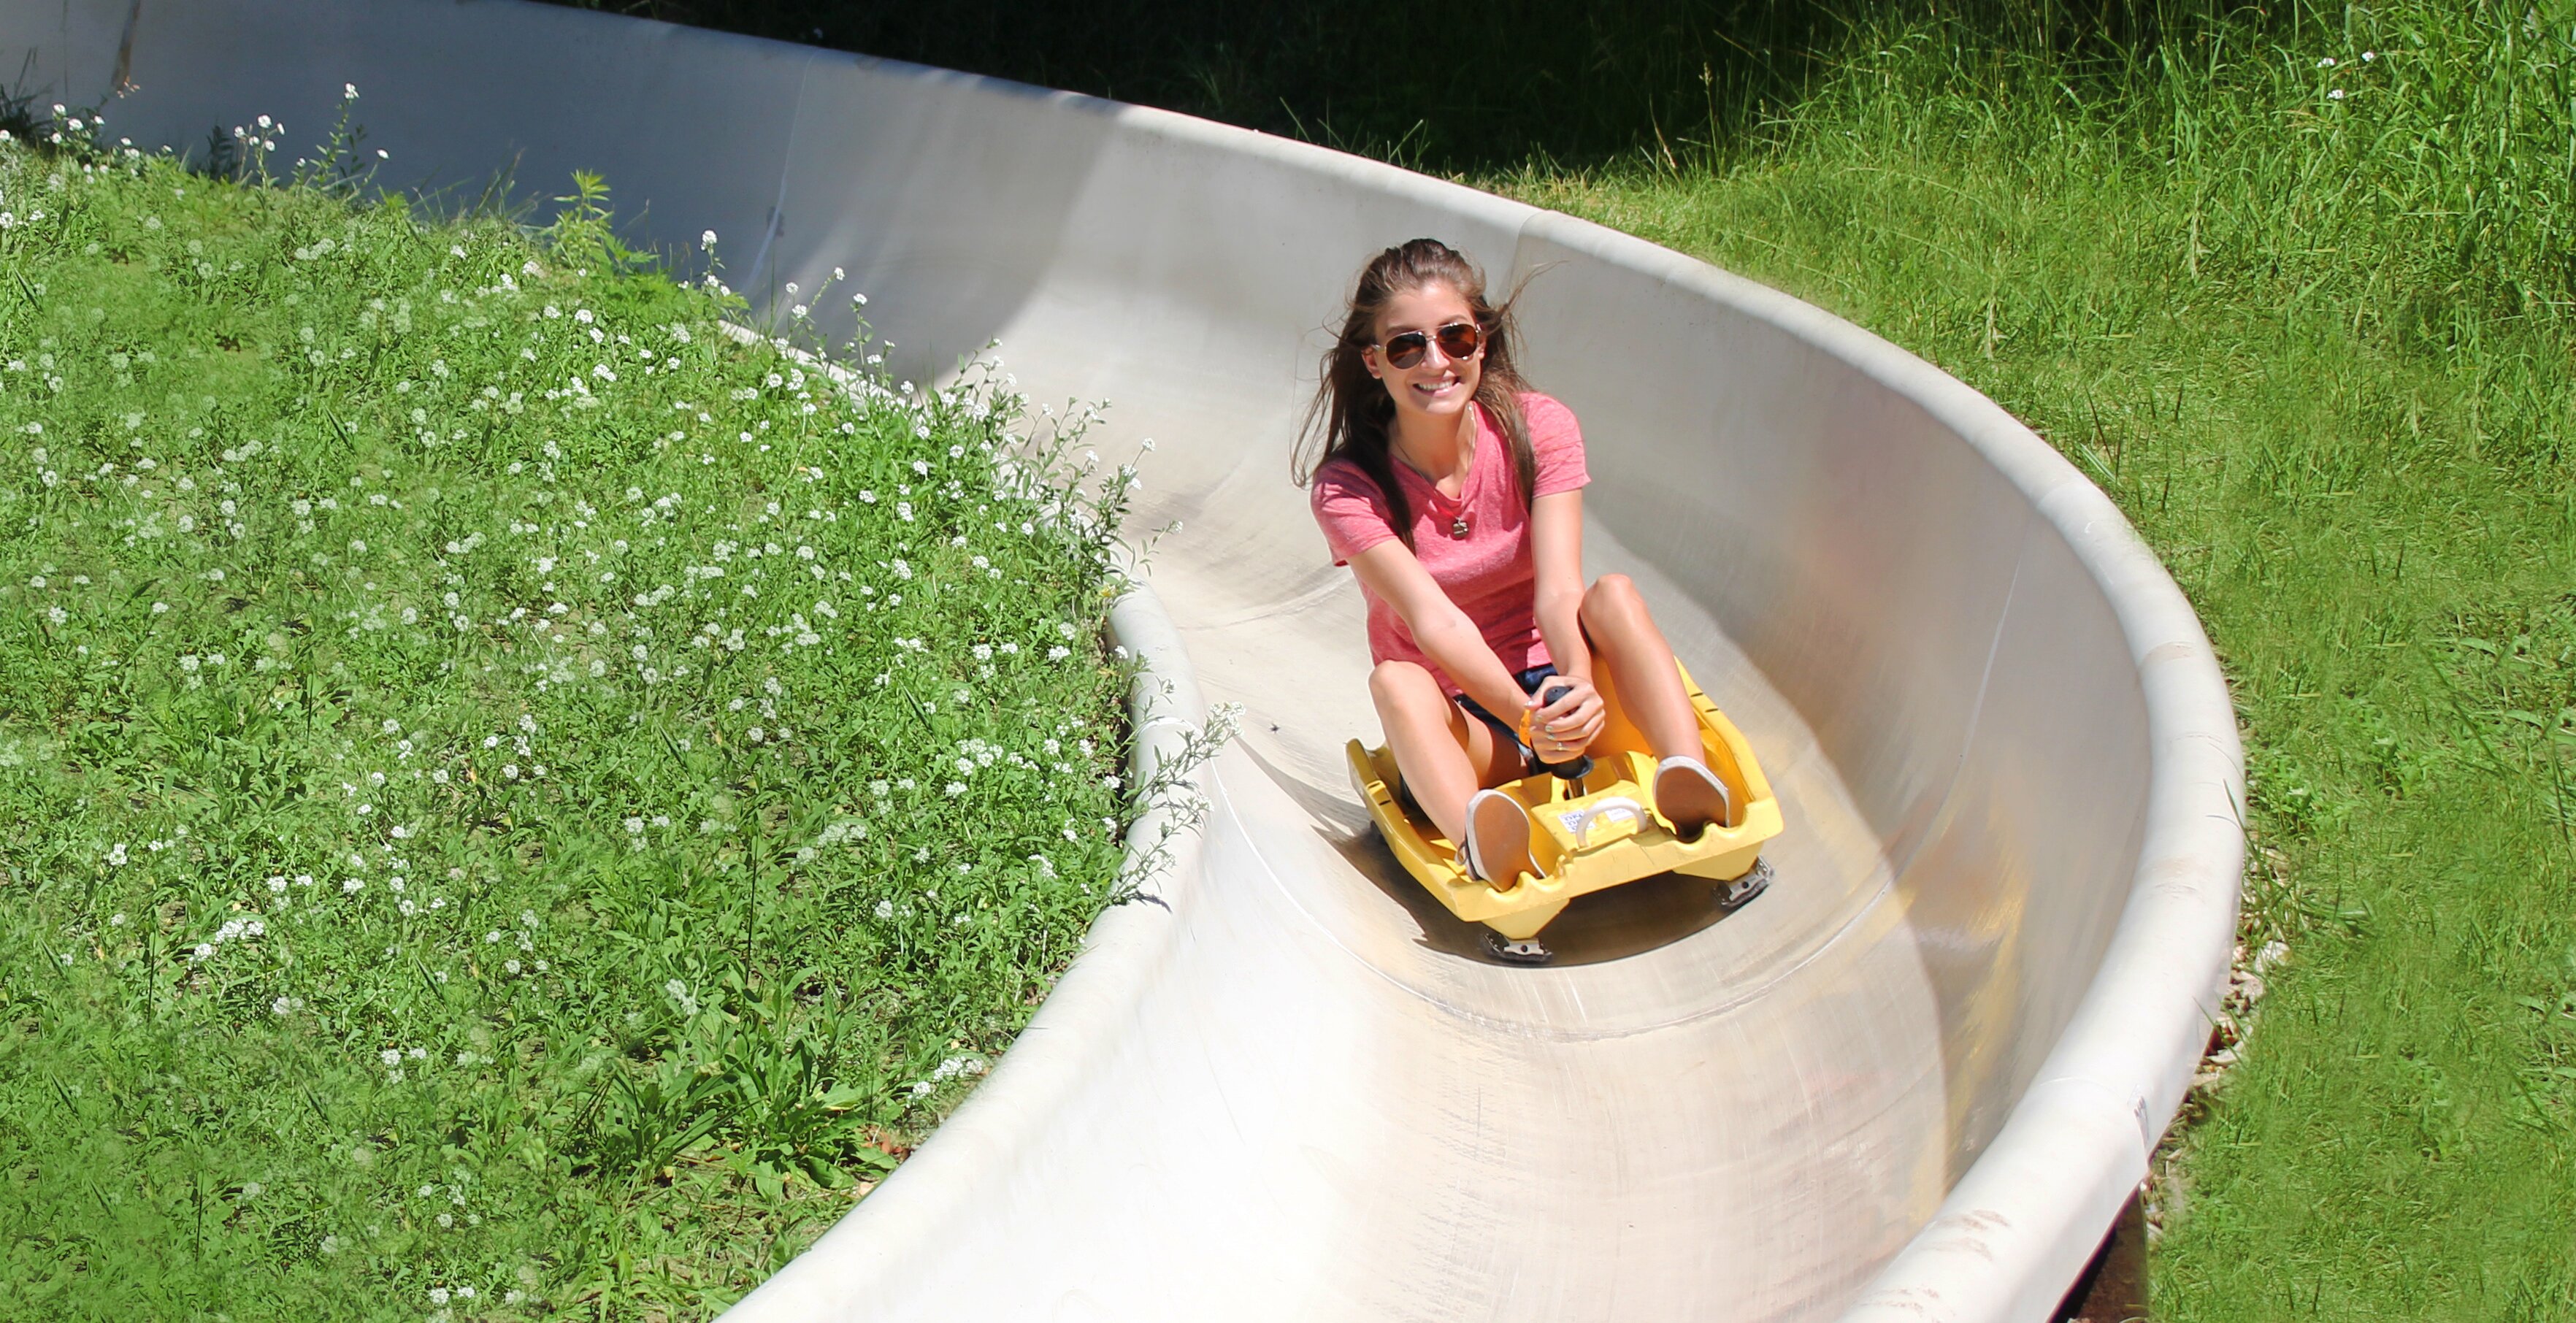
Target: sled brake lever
[[1581, 767]]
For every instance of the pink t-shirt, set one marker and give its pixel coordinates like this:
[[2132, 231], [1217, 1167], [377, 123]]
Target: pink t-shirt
[[1489, 573]]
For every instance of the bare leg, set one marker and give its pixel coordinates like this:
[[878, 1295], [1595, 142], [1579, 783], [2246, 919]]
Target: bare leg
[[1445, 755], [1624, 637]]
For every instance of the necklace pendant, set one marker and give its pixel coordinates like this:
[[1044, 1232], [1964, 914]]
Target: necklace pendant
[[1457, 525]]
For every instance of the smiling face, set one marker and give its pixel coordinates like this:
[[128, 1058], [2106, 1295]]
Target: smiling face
[[1439, 386]]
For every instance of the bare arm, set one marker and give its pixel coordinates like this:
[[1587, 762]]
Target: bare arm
[[1556, 548], [1556, 545], [1444, 632]]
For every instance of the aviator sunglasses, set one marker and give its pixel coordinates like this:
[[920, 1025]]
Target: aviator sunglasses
[[1457, 340]]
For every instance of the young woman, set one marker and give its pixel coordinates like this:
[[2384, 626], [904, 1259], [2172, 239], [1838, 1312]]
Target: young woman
[[1455, 493]]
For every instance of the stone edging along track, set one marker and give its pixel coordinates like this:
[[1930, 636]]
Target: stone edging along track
[[1961, 638]]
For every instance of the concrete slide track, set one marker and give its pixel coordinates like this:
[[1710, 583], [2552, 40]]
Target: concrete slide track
[[1915, 1081]]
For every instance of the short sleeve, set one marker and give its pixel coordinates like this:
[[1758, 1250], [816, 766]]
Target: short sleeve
[[1350, 509], [1556, 441]]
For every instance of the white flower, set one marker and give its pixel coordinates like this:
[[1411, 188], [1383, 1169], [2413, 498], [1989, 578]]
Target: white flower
[[390, 1057], [2335, 95], [708, 239]]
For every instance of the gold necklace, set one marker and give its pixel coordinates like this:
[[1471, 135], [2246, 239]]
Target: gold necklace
[[1458, 520]]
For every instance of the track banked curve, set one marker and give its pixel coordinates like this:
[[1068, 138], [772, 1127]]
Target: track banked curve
[[1916, 1080]]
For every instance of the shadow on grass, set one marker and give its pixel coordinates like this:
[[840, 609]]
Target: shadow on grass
[[1445, 91]]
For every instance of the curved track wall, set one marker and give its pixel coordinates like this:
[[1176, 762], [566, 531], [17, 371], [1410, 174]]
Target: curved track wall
[[1932, 1085]]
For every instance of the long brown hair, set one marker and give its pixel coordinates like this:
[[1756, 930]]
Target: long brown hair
[[1352, 410]]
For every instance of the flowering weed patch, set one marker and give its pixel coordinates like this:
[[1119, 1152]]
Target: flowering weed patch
[[513, 801]]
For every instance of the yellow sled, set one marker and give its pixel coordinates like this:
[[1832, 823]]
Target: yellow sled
[[1597, 833]]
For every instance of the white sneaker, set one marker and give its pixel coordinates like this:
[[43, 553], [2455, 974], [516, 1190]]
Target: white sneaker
[[1692, 798], [1497, 848]]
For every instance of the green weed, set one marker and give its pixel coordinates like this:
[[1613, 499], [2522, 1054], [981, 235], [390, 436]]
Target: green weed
[[513, 801]]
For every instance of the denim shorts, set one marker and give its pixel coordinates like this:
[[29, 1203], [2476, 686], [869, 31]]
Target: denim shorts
[[1509, 732]]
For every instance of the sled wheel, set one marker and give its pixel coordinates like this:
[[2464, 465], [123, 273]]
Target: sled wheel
[[1517, 951], [1754, 882]]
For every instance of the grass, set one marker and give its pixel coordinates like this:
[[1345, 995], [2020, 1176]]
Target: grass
[[2318, 349], [513, 802]]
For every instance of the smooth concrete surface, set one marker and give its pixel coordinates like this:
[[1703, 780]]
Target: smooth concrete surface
[[1915, 1080]]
